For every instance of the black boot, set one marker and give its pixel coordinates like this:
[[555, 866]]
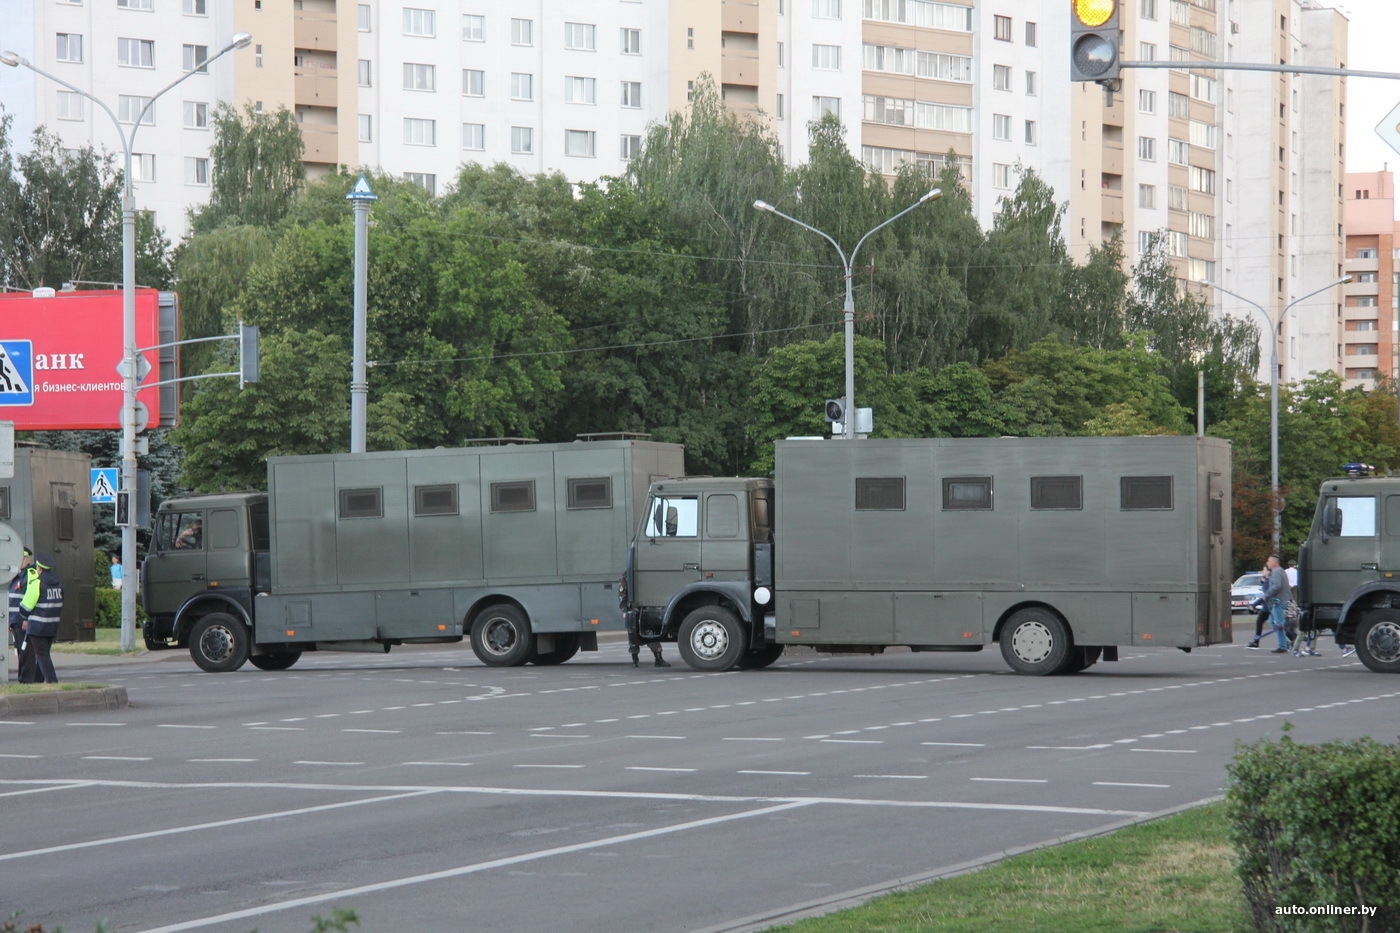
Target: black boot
[[635, 654], [656, 650]]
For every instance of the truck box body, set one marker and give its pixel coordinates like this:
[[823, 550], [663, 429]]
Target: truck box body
[[934, 541]]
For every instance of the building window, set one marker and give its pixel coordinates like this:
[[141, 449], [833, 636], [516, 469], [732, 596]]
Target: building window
[[196, 58], [1365, 301], [579, 143], [826, 57], [1202, 225], [581, 36], [1030, 84], [1203, 88], [632, 94], [196, 7], [196, 171], [781, 62], [522, 86], [418, 132], [631, 148], [690, 41], [1147, 148], [1201, 179], [1001, 77], [1147, 51], [70, 47], [1366, 277], [133, 4], [129, 107], [1202, 270], [821, 106], [522, 32], [417, 77], [579, 90], [1178, 151], [143, 166], [473, 136], [1001, 28], [1366, 252], [1032, 134], [1001, 175], [1205, 135], [473, 28], [1147, 9], [419, 22], [473, 82], [366, 73], [425, 180], [70, 105], [257, 55], [778, 106], [1147, 101], [366, 133], [630, 41], [362, 17], [1001, 126], [1147, 197], [522, 140], [1178, 105], [1032, 39], [137, 53], [826, 9], [1177, 244]]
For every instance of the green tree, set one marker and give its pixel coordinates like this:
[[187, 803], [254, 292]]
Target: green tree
[[211, 269], [257, 168]]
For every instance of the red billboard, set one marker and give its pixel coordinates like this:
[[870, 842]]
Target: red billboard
[[59, 358]]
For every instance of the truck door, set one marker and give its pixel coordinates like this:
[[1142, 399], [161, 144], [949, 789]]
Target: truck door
[[1346, 551], [181, 564], [725, 550], [1218, 607], [667, 554]]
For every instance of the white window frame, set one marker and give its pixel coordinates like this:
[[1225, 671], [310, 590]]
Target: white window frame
[[630, 40], [629, 147], [824, 104], [582, 144], [129, 107], [1001, 176], [365, 128], [143, 166], [522, 140], [581, 37], [197, 171], [826, 57], [143, 51], [522, 86], [1147, 148], [419, 76], [522, 32], [69, 105], [420, 22], [68, 47], [473, 82], [579, 89], [474, 136], [473, 27], [632, 94], [419, 131], [195, 7], [826, 9], [1001, 77], [365, 73], [192, 54], [1001, 126]]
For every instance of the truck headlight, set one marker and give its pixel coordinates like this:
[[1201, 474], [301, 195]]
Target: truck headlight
[[762, 595]]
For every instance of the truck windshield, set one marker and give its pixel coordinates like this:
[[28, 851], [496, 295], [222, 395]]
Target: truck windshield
[[672, 517]]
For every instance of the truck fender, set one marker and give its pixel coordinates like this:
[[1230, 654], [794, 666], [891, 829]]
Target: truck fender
[[735, 594], [203, 603], [1366, 596]]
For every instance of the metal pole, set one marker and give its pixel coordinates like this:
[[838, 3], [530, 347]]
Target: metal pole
[[131, 376], [848, 426], [360, 197], [1200, 403]]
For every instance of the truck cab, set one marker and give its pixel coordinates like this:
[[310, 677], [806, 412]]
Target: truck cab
[[208, 557], [1349, 567], [700, 570]]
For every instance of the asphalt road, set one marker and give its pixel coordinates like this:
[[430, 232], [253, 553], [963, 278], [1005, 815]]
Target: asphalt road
[[429, 793]]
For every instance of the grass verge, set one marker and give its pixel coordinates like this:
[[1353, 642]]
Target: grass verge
[[1173, 875], [108, 641]]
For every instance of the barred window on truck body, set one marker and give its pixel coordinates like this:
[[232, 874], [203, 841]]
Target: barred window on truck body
[[366, 502], [1145, 493], [966, 493], [879, 493], [513, 497], [590, 493], [437, 499], [1057, 492]]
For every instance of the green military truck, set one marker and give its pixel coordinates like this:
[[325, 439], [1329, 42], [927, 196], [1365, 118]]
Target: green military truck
[[515, 547], [1349, 567], [1060, 550]]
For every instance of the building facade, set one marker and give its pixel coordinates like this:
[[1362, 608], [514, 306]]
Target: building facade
[[1369, 315]]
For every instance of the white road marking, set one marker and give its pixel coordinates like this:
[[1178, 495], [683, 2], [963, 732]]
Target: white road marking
[[549, 766], [1013, 780], [279, 728], [113, 758], [644, 768], [7, 755], [1166, 751], [856, 741], [895, 777], [680, 738], [94, 724], [1126, 784], [375, 731], [454, 764], [745, 738], [1067, 748], [787, 773], [172, 725], [959, 744], [222, 760]]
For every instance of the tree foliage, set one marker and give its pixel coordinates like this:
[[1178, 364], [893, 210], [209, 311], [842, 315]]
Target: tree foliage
[[257, 168]]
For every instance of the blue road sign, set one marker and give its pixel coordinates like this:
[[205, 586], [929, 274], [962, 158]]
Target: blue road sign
[[16, 372], [104, 484]]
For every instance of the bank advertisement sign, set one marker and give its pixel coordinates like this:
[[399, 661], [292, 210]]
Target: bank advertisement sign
[[59, 359]]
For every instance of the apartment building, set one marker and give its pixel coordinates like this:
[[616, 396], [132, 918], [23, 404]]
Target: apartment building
[[1370, 313]]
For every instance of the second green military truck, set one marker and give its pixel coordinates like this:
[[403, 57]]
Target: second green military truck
[[514, 547], [1059, 550]]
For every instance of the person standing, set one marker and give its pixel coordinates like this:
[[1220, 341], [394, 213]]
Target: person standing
[[40, 609], [17, 588], [116, 572], [1276, 593]]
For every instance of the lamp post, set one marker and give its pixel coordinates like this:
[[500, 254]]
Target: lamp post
[[1273, 389], [849, 414], [129, 369]]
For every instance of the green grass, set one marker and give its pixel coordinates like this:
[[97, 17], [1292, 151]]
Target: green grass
[[1173, 875], [108, 641], [12, 688]]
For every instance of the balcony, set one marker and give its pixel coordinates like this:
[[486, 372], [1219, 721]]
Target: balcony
[[314, 85], [314, 30], [739, 16], [1112, 206], [321, 142], [739, 67]]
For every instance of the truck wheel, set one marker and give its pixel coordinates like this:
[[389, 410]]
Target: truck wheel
[[1378, 641], [565, 647], [1036, 642], [275, 661], [501, 636], [711, 639], [760, 658], [219, 643]]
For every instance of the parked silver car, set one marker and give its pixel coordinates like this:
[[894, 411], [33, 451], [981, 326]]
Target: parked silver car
[[1245, 591]]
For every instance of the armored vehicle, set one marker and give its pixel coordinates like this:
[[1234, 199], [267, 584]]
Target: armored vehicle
[[515, 547], [1060, 550]]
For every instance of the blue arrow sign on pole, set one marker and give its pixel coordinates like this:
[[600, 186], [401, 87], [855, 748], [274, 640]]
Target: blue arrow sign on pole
[[104, 484]]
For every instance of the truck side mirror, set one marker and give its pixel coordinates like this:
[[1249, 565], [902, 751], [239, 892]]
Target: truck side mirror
[[1331, 520]]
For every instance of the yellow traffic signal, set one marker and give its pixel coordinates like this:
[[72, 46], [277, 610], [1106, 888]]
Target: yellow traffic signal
[[1093, 41], [1094, 12]]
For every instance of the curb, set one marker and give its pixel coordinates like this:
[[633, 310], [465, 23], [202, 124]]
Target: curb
[[63, 701]]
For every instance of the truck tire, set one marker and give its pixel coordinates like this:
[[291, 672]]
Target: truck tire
[[1378, 641], [219, 643], [565, 647], [760, 658], [275, 660], [711, 639], [1036, 642], [501, 636]]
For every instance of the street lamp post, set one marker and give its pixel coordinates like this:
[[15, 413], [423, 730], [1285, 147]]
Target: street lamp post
[[1273, 324], [849, 405], [129, 371]]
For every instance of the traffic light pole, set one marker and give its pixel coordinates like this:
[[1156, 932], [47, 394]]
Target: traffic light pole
[[1253, 66]]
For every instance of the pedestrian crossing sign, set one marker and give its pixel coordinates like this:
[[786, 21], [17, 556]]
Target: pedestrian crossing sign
[[16, 372], [104, 485]]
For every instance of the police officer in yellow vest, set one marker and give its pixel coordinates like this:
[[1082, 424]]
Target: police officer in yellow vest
[[17, 588], [40, 608]]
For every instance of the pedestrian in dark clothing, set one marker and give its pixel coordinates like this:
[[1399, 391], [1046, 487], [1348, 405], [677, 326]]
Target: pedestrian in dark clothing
[[1276, 592], [40, 609], [1262, 607], [17, 588]]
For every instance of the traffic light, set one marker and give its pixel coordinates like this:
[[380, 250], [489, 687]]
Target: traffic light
[[1094, 36], [835, 410]]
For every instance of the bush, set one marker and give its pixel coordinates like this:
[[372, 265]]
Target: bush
[[1317, 826], [107, 608]]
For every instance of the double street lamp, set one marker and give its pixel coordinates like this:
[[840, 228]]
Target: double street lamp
[[1273, 325], [130, 373], [848, 416]]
